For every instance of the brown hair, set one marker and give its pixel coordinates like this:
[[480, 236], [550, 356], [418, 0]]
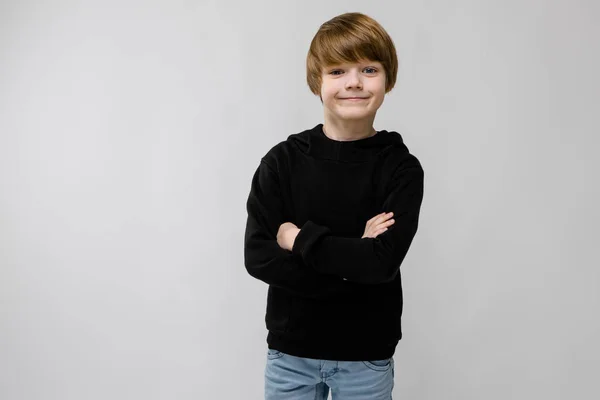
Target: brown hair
[[350, 37]]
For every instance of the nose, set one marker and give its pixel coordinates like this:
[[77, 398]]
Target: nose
[[353, 80]]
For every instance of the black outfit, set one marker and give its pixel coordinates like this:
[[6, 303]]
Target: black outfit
[[335, 296]]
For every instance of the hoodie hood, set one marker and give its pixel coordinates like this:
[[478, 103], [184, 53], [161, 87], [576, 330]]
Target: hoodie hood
[[315, 143]]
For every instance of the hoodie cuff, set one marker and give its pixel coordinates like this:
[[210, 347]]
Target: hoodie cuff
[[307, 238]]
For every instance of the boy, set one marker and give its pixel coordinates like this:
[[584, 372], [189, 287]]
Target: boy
[[334, 301]]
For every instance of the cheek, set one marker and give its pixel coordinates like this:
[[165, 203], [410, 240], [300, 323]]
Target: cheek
[[328, 93]]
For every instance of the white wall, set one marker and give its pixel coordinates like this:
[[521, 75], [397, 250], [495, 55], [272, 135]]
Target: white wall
[[129, 133]]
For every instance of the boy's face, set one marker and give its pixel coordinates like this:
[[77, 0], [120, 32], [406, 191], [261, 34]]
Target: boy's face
[[342, 82]]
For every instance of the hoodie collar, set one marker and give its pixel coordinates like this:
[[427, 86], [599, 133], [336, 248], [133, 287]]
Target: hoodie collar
[[315, 143]]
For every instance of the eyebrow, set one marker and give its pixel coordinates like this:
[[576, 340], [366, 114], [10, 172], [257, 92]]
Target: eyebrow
[[350, 64], [356, 63]]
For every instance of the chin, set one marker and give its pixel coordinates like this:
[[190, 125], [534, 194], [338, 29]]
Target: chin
[[354, 114]]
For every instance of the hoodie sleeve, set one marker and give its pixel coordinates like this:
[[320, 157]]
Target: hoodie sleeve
[[368, 260], [264, 259]]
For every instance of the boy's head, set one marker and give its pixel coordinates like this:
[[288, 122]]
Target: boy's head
[[351, 56]]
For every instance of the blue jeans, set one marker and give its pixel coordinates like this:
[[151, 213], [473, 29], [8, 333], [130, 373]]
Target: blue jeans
[[289, 377]]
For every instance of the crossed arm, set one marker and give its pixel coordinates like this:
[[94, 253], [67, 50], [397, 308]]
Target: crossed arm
[[286, 235], [310, 260]]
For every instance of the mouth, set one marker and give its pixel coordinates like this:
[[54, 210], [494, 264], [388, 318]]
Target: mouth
[[354, 98]]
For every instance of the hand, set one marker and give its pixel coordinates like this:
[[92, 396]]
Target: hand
[[286, 235], [378, 224]]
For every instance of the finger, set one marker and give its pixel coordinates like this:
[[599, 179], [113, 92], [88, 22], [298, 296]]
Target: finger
[[379, 232], [379, 217], [382, 220], [375, 217], [385, 224], [386, 216]]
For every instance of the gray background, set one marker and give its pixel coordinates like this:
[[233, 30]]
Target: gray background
[[129, 134]]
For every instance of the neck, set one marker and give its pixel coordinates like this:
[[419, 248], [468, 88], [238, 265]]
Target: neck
[[345, 130]]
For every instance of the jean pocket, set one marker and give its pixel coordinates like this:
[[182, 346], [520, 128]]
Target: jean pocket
[[379, 365], [273, 354]]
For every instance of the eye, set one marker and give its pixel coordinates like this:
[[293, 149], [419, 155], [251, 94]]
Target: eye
[[367, 68]]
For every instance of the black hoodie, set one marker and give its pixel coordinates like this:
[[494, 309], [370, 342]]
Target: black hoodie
[[335, 296]]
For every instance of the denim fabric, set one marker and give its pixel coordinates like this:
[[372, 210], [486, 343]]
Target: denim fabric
[[289, 377]]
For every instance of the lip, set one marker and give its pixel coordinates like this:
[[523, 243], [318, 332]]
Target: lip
[[354, 98]]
